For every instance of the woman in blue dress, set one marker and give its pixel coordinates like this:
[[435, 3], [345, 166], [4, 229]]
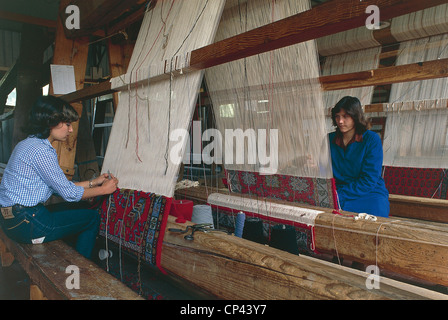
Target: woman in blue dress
[[357, 160]]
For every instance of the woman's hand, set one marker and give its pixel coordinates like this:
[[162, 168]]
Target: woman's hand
[[98, 181], [101, 185], [109, 185]]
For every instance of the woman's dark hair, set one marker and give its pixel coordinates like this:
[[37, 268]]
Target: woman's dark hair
[[46, 113], [353, 107]]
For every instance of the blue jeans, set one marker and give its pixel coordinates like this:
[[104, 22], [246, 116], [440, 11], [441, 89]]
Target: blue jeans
[[35, 223]]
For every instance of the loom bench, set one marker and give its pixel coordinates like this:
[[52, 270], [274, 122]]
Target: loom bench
[[52, 268]]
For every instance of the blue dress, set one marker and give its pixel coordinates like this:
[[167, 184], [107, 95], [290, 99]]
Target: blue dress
[[357, 171]]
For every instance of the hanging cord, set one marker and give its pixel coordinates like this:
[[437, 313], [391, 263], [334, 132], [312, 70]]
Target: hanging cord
[[106, 231], [171, 80]]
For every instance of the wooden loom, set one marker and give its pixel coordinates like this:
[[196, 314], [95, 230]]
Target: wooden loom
[[330, 225]]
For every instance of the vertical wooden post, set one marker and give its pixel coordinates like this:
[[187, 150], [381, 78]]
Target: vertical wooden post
[[119, 57], [29, 77], [70, 52]]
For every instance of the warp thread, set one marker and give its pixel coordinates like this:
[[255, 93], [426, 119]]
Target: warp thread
[[202, 213], [283, 237], [239, 225], [253, 230]]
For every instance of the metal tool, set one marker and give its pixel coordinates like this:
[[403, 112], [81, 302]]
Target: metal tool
[[204, 227]]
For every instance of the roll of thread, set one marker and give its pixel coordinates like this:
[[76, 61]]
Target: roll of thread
[[202, 213], [253, 230], [239, 225], [103, 254], [283, 237]]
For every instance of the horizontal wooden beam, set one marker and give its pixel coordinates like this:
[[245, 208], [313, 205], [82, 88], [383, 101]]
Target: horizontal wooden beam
[[46, 264], [388, 75], [12, 16], [395, 74], [326, 19], [386, 107], [89, 92], [233, 268], [415, 249], [419, 208]]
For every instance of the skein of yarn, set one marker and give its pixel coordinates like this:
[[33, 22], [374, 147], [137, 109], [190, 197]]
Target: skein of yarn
[[283, 237], [202, 213], [253, 230], [239, 225]]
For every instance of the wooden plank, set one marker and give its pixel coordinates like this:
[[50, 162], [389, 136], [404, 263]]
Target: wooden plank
[[384, 107], [387, 75], [416, 249], [46, 265], [234, 268], [409, 248], [419, 208]]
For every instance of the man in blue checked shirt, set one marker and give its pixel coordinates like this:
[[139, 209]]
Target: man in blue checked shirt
[[33, 174]]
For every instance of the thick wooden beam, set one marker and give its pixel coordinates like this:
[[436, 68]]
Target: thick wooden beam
[[419, 208], [384, 107], [12, 16], [415, 249], [46, 264], [326, 19], [396, 74], [233, 268], [388, 75]]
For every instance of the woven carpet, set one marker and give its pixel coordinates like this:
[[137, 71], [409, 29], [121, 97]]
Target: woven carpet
[[314, 191], [418, 182], [136, 221]]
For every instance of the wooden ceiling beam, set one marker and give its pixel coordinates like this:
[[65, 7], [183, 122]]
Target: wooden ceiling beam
[[7, 15], [325, 19]]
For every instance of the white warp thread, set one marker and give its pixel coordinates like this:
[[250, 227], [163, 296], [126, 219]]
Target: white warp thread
[[304, 216]]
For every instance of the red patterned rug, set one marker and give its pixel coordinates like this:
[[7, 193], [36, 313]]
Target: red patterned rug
[[418, 182], [314, 191], [136, 221]]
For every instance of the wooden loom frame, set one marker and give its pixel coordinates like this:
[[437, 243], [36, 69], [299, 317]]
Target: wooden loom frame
[[339, 16]]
